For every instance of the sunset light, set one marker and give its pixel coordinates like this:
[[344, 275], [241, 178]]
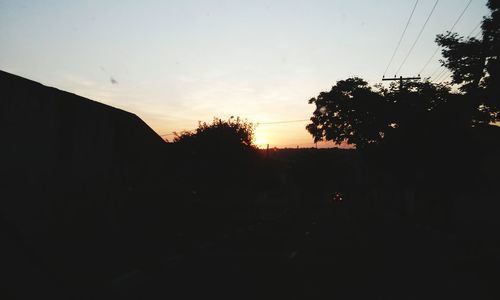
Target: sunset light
[[261, 138], [180, 62]]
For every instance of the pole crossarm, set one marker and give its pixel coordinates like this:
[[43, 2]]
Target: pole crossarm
[[401, 79]]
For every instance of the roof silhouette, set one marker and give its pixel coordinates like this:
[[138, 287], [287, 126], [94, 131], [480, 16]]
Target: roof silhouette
[[67, 163]]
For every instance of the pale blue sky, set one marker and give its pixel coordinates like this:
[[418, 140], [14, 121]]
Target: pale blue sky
[[177, 62]]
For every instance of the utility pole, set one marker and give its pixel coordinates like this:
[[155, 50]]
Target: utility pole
[[401, 79]]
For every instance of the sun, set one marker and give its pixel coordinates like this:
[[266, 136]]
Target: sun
[[260, 139]]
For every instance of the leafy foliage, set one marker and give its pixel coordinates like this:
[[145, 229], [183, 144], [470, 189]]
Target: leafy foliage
[[234, 134], [216, 160], [355, 113], [358, 114], [350, 112], [476, 66]]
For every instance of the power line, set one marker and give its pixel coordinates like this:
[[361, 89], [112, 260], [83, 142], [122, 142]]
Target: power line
[[418, 37], [401, 38], [445, 76], [441, 77], [472, 31], [460, 16], [282, 122], [443, 71], [428, 61], [435, 71], [451, 29], [257, 123], [477, 34]]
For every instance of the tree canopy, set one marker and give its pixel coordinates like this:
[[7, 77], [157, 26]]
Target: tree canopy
[[350, 112], [221, 136], [357, 113], [475, 65]]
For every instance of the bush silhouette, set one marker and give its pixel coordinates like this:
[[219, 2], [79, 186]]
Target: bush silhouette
[[233, 137], [217, 159]]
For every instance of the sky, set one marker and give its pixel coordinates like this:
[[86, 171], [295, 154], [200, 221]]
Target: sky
[[174, 63]]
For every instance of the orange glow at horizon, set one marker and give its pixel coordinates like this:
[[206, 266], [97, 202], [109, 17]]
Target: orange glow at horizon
[[276, 135], [261, 139]]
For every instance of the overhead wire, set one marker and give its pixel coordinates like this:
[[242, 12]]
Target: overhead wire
[[445, 77], [460, 16], [438, 77], [418, 37], [401, 38], [442, 76], [477, 34], [257, 123], [429, 60], [436, 71], [451, 29], [477, 26], [282, 122]]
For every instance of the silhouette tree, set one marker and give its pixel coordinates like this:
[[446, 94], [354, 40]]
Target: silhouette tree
[[222, 148], [216, 160], [476, 66], [355, 113], [351, 112], [231, 136]]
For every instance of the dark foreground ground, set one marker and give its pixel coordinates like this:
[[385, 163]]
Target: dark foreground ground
[[332, 254], [307, 248]]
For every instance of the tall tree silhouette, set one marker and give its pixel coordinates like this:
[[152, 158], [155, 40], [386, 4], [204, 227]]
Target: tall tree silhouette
[[475, 65], [351, 112], [355, 113]]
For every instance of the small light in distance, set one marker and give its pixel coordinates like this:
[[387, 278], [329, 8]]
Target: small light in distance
[[337, 197]]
